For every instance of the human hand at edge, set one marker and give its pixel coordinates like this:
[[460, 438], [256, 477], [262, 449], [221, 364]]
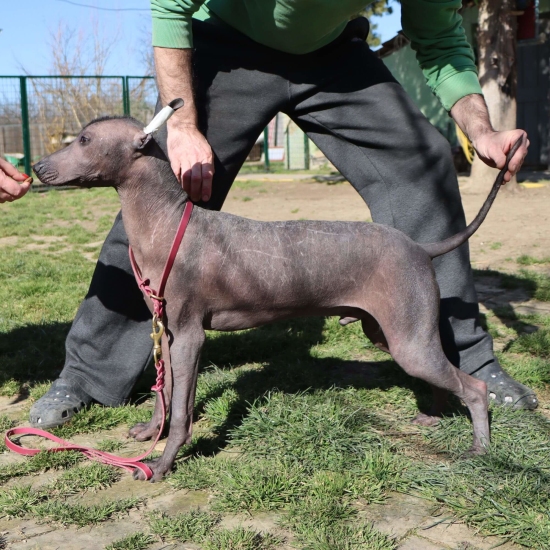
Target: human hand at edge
[[493, 147], [191, 159], [13, 184]]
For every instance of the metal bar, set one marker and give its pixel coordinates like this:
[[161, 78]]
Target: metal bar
[[77, 76], [25, 123], [306, 151], [65, 76], [266, 148], [125, 96]]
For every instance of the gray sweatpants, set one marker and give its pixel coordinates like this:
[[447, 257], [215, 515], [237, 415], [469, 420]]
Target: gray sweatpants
[[352, 108]]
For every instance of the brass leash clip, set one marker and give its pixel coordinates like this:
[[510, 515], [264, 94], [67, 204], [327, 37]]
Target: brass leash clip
[[156, 335]]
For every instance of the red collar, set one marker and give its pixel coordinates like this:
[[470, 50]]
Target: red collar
[[157, 295]]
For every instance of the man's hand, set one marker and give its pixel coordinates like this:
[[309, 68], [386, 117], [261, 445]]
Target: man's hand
[[191, 159], [10, 189], [492, 150], [471, 114], [190, 154]]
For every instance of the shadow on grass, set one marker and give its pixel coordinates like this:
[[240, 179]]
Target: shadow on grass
[[281, 351], [534, 285], [31, 354], [284, 351]]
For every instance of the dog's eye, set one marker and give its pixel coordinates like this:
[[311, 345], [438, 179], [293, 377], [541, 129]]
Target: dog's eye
[[84, 139]]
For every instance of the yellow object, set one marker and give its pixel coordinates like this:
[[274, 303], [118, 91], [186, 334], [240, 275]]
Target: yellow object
[[533, 185], [466, 145], [156, 335]]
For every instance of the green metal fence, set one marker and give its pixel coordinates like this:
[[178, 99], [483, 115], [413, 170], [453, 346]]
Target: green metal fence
[[40, 114]]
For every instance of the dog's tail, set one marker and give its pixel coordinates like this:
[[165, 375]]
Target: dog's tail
[[440, 248]]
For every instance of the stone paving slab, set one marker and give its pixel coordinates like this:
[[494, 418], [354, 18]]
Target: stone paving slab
[[399, 515], [417, 543], [411, 521], [94, 537], [458, 535]]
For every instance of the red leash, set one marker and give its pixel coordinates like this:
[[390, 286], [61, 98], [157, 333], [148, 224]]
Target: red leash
[[158, 329]]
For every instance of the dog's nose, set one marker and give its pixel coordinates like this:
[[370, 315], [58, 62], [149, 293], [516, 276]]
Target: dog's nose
[[38, 167]]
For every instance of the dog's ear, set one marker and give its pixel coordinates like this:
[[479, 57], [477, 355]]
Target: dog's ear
[[141, 141]]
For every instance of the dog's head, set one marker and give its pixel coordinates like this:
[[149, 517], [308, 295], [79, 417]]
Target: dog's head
[[102, 155]]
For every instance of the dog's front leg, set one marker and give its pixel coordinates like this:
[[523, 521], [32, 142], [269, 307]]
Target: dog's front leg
[[185, 352], [143, 431]]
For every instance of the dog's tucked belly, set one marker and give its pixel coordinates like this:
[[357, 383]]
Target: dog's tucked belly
[[271, 272], [245, 318]]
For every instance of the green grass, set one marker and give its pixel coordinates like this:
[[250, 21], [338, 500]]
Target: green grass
[[91, 477], [507, 491], [5, 424], [530, 260], [194, 525], [303, 421], [81, 515], [44, 287], [536, 344], [203, 528], [42, 462], [45, 504], [137, 541], [249, 184], [239, 538], [280, 168]]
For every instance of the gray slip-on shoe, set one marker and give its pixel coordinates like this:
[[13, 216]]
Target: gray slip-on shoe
[[58, 405], [504, 390]]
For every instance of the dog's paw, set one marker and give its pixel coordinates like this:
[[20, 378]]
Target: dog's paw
[[422, 419], [474, 450], [157, 469], [143, 431], [138, 475]]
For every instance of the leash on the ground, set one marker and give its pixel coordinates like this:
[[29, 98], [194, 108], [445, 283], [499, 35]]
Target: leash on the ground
[[129, 464]]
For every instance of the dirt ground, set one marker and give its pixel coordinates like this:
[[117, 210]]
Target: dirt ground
[[517, 224]]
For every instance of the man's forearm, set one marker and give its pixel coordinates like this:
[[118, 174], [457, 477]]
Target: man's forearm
[[175, 79], [472, 115]]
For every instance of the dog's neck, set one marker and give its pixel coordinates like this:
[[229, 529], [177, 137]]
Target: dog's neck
[[152, 203]]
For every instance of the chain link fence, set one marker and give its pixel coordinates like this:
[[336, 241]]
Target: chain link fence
[[40, 114]]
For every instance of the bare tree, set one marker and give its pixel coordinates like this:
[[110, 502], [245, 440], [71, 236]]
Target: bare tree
[[61, 105]]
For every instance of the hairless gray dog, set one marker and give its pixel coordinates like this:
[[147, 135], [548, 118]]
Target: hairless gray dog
[[233, 273]]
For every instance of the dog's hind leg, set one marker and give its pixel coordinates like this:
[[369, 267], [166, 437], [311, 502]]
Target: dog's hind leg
[[423, 358], [374, 333], [433, 416]]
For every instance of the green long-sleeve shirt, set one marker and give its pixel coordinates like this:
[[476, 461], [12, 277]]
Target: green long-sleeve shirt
[[302, 26]]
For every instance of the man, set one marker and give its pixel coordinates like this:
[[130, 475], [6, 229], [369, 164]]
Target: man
[[239, 62], [12, 182]]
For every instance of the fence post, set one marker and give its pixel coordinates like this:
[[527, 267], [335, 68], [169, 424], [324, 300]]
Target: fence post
[[125, 96], [266, 148], [306, 151], [25, 124], [287, 152]]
